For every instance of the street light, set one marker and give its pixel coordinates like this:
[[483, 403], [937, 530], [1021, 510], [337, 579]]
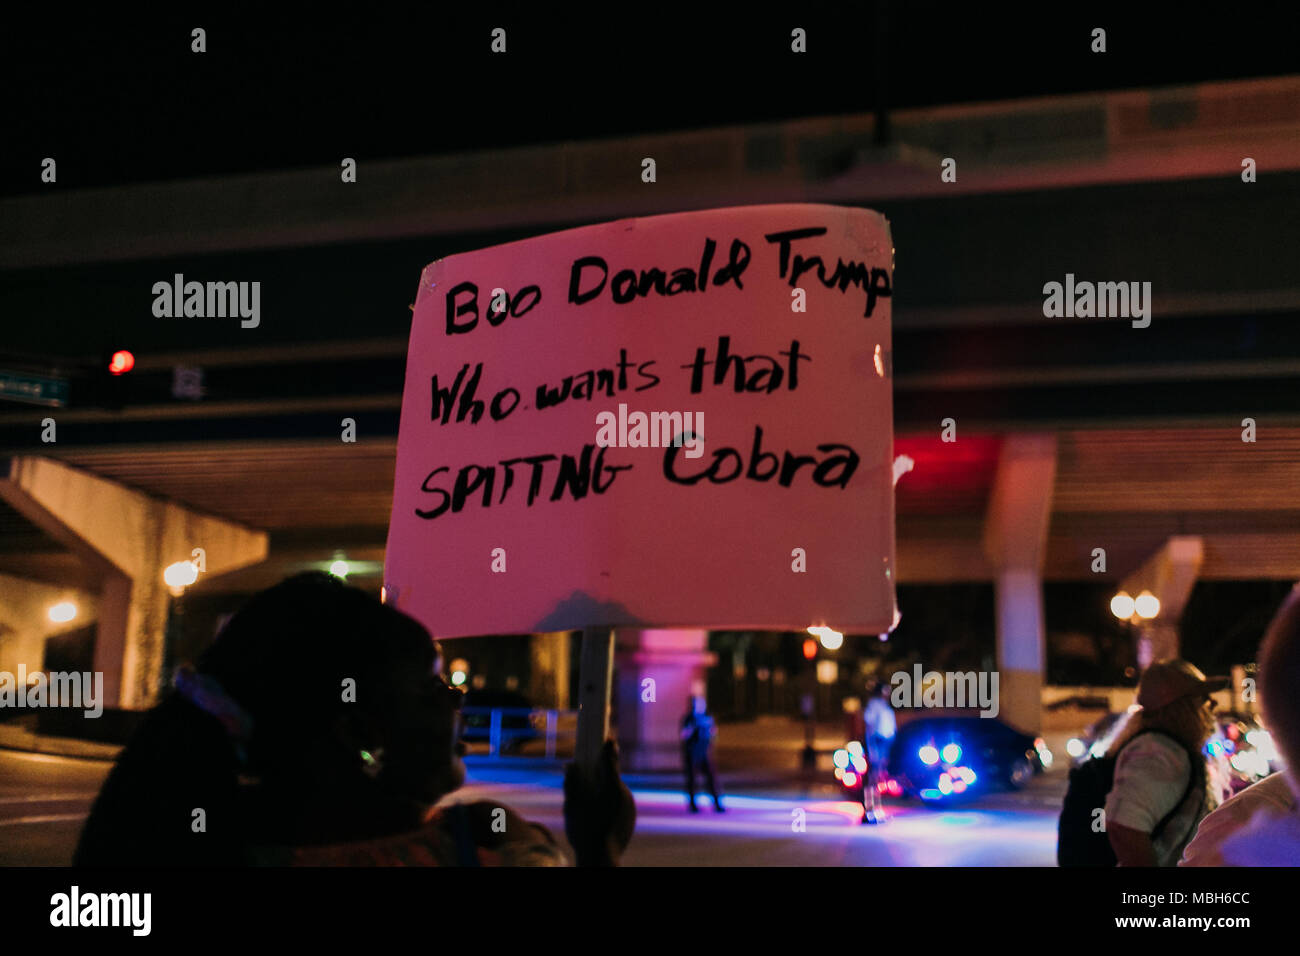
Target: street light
[[1122, 606], [62, 612], [1142, 608], [177, 577], [180, 575], [1147, 605], [831, 639], [1137, 613]]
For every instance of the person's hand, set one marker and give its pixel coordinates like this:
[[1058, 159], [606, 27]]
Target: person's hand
[[599, 812]]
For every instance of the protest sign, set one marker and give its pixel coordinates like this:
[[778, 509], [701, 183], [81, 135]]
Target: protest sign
[[681, 420]]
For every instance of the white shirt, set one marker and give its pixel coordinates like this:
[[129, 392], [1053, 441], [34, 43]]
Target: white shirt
[[1272, 794], [1151, 777]]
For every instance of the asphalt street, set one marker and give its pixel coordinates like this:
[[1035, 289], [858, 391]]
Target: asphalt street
[[44, 799]]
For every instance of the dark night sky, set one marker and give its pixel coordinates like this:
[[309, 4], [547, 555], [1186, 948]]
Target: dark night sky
[[120, 101]]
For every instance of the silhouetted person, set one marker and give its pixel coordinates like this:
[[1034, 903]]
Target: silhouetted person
[[317, 730], [698, 732], [880, 725]]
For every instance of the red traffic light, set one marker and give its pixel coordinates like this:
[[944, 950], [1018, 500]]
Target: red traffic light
[[121, 362], [810, 648]]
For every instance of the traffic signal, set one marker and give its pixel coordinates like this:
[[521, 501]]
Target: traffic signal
[[121, 362], [110, 382]]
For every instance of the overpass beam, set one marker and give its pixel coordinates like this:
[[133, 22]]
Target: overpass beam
[[129, 538]]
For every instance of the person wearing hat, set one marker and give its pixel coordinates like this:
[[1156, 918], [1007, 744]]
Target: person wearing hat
[[1163, 788]]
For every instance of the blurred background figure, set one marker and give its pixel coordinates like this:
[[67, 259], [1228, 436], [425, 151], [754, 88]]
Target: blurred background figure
[[698, 733], [880, 725]]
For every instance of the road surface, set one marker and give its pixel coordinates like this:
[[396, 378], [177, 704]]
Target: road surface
[[43, 800]]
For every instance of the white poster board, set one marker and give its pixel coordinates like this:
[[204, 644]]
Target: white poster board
[[772, 322]]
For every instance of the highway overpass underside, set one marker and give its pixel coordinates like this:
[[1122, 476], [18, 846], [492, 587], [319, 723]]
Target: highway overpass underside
[[960, 515]]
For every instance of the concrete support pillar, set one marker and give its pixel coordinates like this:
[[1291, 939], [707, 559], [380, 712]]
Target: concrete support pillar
[[1022, 652], [549, 673], [655, 672], [25, 622], [1169, 574], [128, 537], [1015, 539], [110, 646]]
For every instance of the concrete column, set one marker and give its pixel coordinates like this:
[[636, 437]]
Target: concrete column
[[649, 714], [1015, 539], [110, 643], [1021, 652], [128, 537]]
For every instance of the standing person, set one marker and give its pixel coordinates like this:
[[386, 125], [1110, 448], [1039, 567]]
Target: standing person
[[881, 725], [1162, 787], [698, 731]]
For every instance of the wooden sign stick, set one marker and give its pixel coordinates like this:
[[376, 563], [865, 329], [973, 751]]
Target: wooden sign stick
[[595, 682]]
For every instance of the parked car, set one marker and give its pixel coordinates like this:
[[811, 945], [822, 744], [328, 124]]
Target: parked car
[[520, 723], [942, 758]]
